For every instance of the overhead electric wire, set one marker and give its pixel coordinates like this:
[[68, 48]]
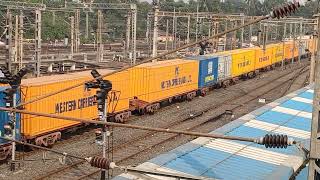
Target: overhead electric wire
[[274, 141], [145, 61], [130, 125], [279, 12]]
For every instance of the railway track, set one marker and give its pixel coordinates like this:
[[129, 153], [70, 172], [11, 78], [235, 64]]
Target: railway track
[[138, 145]]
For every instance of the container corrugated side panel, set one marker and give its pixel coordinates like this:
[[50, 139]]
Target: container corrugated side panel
[[158, 77], [242, 62], [198, 58], [4, 117], [120, 93], [221, 68], [278, 53], [312, 45], [288, 50], [57, 104], [228, 66], [76, 102], [263, 57], [208, 71]]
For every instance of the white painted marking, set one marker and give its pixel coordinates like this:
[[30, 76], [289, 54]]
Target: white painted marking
[[304, 100], [273, 104], [310, 90], [292, 112], [247, 151], [278, 129]]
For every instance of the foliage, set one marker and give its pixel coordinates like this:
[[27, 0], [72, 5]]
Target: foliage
[[115, 20]]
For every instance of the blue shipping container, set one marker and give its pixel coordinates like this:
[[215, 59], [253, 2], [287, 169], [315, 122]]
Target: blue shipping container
[[208, 70], [4, 118]]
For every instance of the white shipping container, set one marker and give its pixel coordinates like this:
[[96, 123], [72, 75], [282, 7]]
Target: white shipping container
[[224, 67]]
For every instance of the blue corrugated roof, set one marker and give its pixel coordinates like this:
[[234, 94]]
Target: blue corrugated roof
[[231, 160]]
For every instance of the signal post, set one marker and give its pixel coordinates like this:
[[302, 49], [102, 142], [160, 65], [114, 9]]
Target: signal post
[[104, 87]]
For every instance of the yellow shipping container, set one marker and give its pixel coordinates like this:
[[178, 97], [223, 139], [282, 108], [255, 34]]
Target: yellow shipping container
[[242, 61], [263, 57], [77, 102], [156, 81], [278, 52]]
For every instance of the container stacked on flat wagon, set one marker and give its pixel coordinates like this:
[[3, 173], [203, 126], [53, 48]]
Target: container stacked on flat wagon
[[243, 62], [78, 102], [308, 44], [312, 44], [207, 72], [277, 53], [224, 68], [5, 146], [214, 71], [164, 81], [288, 49], [263, 58]]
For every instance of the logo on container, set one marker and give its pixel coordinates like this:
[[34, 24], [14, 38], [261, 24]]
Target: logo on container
[[176, 72]]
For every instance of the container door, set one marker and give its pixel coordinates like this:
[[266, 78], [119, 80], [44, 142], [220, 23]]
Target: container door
[[221, 68], [228, 65]]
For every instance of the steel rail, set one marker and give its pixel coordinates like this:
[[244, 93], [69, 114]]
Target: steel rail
[[145, 61], [198, 134], [42, 148]]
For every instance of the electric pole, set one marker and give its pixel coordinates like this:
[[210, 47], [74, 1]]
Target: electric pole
[[155, 28], [314, 154]]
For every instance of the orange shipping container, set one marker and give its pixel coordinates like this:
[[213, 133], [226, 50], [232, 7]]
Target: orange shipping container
[[156, 81], [312, 44], [288, 49], [77, 102]]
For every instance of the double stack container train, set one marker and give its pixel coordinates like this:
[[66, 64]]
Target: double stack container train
[[141, 89]]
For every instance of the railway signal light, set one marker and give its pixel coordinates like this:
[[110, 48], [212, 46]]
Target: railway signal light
[[101, 99], [3, 80], [8, 128], [7, 74], [106, 85], [8, 98], [90, 85], [19, 75], [96, 74]]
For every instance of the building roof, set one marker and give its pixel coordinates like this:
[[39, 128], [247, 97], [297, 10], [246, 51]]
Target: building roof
[[229, 160]]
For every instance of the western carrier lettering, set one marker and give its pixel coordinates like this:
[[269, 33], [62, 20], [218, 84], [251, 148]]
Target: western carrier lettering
[[75, 104]]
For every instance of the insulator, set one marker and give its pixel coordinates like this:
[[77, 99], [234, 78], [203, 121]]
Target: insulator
[[285, 10], [101, 162], [275, 141]]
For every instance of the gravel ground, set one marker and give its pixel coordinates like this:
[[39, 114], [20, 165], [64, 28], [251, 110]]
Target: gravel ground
[[83, 143]]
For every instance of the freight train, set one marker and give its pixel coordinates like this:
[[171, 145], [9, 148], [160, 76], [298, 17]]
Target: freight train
[[142, 89]]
